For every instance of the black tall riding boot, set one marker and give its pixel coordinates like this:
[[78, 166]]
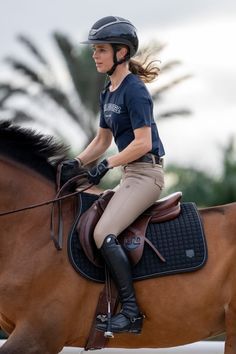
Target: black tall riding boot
[[129, 319]]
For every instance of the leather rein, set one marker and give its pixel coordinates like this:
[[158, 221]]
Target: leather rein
[[55, 201]]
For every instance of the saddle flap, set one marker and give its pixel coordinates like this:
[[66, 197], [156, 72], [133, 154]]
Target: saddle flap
[[86, 226], [133, 238]]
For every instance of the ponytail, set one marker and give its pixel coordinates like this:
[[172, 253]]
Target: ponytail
[[147, 71]]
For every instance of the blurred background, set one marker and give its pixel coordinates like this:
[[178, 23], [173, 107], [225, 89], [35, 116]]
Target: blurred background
[[48, 81]]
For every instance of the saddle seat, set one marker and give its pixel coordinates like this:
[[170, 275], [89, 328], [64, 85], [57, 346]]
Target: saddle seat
[[133, 238]]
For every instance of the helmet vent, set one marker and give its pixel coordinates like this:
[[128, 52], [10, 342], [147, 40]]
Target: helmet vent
[[104, 21]]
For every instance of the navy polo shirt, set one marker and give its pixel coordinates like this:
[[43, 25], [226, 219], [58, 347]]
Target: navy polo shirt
[[127, 108]]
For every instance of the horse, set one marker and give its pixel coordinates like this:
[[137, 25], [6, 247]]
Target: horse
[[45, 305]]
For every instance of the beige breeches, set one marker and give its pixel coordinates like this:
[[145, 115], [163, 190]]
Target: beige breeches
[[140, 187]]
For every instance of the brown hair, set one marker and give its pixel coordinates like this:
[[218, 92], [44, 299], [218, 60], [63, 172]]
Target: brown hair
[[146, 70]]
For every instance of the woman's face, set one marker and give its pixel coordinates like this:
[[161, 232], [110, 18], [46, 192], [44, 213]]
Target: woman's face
[[103, 57]]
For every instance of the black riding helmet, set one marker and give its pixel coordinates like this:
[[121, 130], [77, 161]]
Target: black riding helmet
[[114, 30]]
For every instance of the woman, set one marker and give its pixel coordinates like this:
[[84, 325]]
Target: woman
[[126, 115]]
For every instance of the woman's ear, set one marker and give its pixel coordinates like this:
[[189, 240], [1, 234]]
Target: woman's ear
[[122, 53]]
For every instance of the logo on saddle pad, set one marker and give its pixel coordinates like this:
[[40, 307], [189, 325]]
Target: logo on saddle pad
[[131, 243]]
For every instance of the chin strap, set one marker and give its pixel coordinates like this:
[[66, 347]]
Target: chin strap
[[116, 62]]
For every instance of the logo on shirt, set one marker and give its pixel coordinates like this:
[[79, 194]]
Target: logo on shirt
[[111, 107]]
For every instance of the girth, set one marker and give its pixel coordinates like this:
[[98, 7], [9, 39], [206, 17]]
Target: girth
[[133, 238]]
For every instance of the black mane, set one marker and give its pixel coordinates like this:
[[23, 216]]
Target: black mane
[[39, 152]]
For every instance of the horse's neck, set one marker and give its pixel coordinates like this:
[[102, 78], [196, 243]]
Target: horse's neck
[[26, 234], [19, 185], [19, 188]]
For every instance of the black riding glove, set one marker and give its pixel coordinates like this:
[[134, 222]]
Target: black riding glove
[[69, 169], [96, 173]]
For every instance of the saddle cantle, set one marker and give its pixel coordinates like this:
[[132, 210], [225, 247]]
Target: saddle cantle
[[133, 238]]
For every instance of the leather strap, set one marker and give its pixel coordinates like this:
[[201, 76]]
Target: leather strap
[[96, 339], [150, 158], [155, 249]]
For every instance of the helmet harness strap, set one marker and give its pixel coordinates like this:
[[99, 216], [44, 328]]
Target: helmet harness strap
[[117, 62]]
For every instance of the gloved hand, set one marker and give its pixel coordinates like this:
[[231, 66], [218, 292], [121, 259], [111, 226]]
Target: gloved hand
[[96, 173], [69, 169]]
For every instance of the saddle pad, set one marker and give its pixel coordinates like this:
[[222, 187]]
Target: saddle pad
[[181, 241]]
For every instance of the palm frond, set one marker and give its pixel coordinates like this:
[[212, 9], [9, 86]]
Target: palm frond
[[67, 50], [175, 113], [170, 65], [28, 43], [16, 115], [161, 89], [19, 116], [7, 90], [25, 70], [61, 99], [153, 48]]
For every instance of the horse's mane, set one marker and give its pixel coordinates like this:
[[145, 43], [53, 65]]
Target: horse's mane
[[37, 151]]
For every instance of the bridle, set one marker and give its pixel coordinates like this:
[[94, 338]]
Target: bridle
[[55, 201]]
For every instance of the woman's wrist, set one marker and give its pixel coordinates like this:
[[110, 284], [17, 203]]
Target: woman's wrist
[[79, 161], [109, 164]]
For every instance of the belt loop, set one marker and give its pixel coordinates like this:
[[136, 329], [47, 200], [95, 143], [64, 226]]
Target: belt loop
[[153, 160]]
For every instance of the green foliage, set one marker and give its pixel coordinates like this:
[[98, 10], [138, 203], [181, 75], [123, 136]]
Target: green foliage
[[195, 185], [203, 189]]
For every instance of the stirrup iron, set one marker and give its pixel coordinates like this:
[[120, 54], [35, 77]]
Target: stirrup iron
[[108, 333]]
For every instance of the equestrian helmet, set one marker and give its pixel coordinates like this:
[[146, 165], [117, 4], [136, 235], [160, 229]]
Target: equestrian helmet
[[114, 30]]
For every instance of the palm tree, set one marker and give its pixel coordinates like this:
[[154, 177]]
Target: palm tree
[[42, 89], [79, 101]]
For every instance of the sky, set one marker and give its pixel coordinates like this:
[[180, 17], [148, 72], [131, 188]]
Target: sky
[[200, 33]]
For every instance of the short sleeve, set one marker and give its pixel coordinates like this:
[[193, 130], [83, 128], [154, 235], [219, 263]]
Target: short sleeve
[[140, 106], [102, 122]]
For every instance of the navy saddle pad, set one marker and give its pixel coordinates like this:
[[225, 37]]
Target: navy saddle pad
[[181, 241]]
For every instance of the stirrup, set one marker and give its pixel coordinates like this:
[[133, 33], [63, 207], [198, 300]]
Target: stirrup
[[133, 325]]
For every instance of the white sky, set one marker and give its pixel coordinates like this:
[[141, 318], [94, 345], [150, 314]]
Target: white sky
[[199, 33]]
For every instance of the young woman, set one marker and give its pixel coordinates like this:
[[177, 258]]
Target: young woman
[[126, 116]]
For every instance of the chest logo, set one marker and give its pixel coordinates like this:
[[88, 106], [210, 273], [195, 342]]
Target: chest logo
[[111, 107]]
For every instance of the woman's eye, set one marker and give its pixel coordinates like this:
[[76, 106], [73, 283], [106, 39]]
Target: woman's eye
[[99, 50]]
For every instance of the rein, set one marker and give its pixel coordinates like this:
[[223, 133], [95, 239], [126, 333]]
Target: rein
[[50, 201], [33, 206], [57, 200]]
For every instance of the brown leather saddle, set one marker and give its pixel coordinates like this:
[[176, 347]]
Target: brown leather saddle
[[133, 238]]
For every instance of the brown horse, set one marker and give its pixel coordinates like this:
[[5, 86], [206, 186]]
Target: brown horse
[[45, 304]]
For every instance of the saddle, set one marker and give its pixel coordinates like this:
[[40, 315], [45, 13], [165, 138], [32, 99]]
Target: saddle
[[133, 238]]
